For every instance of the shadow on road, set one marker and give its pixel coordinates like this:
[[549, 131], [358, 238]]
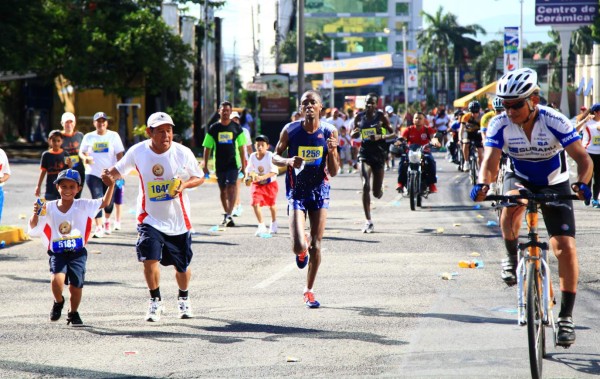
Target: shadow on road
[[586, 363], [60, 372]]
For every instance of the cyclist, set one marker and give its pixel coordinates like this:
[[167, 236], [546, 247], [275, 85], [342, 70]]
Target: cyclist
[[453, 140], [469, 132], [373, 127], [487, 117], [421, 135], [536, 138]]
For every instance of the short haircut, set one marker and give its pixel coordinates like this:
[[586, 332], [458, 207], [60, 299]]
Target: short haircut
[[372, 94], [419, 112], [225, 103], [316, 94]]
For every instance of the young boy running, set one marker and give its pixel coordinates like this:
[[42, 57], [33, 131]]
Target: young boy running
[[262, 173], [64, 227]]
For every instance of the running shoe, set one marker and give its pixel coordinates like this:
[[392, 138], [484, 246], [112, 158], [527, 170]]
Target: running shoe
[[309, 300], [595, 203], [117, 225], [155, 310], [230, 222], [185, 308], [262, 229], [107, 228], [368, 228], [224, 222], [565, 336], [57, 310], [98, 232], [237, 211], [400, 188], [73, 319], [432, 188], [273, 228], [509, 270], [302, 259]]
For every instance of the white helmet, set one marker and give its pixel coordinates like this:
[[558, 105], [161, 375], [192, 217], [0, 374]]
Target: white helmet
[[517, 84]]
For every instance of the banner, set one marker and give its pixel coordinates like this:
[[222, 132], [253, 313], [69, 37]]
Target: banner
[[275, 101], [327, 81], [511, 48], [411, 67], [346, 83], [339, 65], [468, 82], [565, 12]]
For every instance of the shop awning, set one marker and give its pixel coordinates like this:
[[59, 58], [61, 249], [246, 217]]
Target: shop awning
[[489, 90]]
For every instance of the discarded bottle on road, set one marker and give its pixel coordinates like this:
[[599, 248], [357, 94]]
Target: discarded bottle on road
[[468, 264]]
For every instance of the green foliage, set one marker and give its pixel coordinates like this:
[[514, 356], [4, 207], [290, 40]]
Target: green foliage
[[182, 115], [316, 47]]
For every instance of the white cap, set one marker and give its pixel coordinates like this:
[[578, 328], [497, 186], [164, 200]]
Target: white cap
[[389, 109], [234, 114], [159, 118], [66, 117]]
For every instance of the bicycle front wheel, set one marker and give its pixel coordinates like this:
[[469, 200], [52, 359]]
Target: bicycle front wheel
[[474, 169], [535, 326]]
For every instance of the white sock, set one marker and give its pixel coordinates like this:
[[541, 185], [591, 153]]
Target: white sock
[[306, 289]]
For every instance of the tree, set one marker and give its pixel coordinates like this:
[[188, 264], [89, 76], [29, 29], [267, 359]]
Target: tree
[[233, 81], [485, 62], [313, 50]]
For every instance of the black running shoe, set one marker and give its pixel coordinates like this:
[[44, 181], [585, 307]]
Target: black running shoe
[[565, 336], [57, 310], [509, 270], [74, 319]]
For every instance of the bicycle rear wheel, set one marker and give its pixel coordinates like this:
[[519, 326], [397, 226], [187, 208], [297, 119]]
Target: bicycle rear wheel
[[474, 169], [535, 326]]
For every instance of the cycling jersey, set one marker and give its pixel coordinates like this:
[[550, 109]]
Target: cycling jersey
[[540, 160], [485, 120], [471, 121]]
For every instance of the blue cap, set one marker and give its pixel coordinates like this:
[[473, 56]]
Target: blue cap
[[68, 174], [100, 115], [595, 107]]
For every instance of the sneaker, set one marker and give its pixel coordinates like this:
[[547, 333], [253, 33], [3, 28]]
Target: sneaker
[[117, 225], [237, 211], [262, 229], [98, 232], [273, 228], [565, 336], [302, 259], [185, 308], [107, 230], [400, 188], [309, 300], [229, 221], [155, 310], [368, 228], [509, 270], [432, 188], [57, 310], [595, 203], [224, 222], [74, 319], [466, 167]]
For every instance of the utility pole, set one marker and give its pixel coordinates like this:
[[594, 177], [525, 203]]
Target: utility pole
[[233, 76], [276, 27], [332, 74], [405, 69], [300, 46], [254, 50]]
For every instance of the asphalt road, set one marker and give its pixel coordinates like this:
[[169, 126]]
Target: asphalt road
[[385, 310]]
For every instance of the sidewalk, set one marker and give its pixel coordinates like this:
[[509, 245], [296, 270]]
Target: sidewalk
[[24, 151]]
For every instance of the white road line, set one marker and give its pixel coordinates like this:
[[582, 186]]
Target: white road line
[[267, 282]]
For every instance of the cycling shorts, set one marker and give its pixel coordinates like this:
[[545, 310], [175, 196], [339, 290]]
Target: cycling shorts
[[476, 138]]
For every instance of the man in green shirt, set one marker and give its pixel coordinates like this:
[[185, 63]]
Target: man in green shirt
[[226, 138]]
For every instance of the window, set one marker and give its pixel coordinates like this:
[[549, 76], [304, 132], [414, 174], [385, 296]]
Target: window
[[345, 6], [401, 9], [346, 25]]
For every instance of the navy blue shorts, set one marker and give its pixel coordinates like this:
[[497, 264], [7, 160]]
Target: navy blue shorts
[[153, 244], [72, 264], [227, 178], [317, 199]]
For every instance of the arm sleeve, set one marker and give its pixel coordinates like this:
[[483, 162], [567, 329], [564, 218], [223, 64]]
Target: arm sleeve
[[209, 141]]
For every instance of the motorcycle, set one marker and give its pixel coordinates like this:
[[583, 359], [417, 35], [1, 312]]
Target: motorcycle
[[416, 185]]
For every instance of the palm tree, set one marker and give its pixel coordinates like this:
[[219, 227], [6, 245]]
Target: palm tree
[[444, 35]]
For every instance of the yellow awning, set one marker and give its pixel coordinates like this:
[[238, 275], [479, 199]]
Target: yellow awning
[[490, 89]]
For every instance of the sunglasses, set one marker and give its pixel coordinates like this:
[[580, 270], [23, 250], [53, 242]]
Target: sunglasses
[[516, 106]]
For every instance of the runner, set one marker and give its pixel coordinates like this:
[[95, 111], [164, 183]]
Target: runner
[[312, 148], [165, 169], [227, 140], [71, 143], [4, 176], [64, 226], [372, 125], [100, 150]]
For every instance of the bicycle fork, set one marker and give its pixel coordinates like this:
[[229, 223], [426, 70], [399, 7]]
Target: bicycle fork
[[544, 270]]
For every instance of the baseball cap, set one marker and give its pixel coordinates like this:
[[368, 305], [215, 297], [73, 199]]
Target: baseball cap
[[159, 118], [100, 115], [389, 109], [263, 138], [234, 114], [53, 133], [68, 174], [66, 117], [595, 107]]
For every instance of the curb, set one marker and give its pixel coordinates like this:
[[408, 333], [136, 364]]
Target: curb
[[12, 235]]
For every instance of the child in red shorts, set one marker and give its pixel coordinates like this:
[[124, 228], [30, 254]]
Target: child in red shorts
[[261, 174]]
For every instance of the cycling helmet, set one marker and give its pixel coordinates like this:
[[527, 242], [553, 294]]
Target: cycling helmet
[[474, 106], [517, 84], [458, 112], [497, 103]]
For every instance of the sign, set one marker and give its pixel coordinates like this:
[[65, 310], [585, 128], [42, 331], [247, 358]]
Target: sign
[[275, 100], [327, 80], [468, 82], [511, 48], [347, 83], [411, 67], [565, 12], [256, 87], [339, 65]]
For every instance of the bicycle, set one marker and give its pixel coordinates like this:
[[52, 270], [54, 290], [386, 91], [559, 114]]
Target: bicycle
[[535, 296], [499, 184]]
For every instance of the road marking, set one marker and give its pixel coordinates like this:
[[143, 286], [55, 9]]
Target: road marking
[[267, 282]]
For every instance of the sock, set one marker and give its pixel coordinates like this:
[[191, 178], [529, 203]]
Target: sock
[[512, 247], [567, 302], [155, 294], [306, 289], [183, 293]]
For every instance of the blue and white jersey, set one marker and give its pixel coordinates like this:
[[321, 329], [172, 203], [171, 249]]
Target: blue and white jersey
[[541, 160]]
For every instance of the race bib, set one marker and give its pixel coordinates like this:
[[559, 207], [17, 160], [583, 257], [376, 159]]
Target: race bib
[[225, 137], [596, 140], [67, 244], [159, 190], [100, 147], [368, 132], [312, 155]]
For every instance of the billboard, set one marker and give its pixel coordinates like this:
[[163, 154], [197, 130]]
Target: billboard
[[411, 68], [565, 12], [275, 101], [339, 65], [511, 48]]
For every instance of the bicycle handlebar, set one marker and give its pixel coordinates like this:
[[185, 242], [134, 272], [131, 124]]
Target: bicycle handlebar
[[537, 197]]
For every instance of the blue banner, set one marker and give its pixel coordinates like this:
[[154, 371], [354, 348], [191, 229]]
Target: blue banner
[[565, 12]]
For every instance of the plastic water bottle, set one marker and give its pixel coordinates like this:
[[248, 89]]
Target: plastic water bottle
[[467, 264]]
